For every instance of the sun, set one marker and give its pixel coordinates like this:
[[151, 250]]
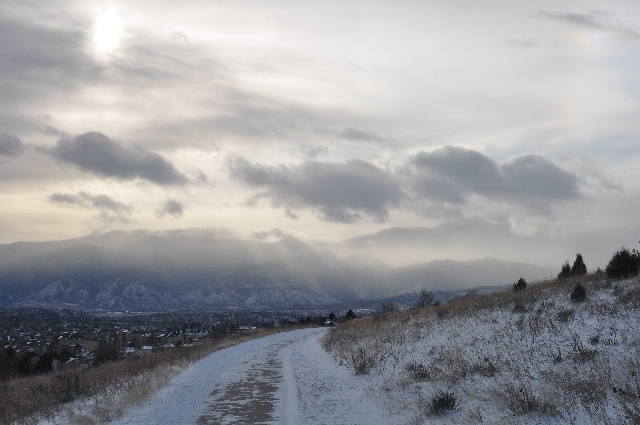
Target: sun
[[107, 33]]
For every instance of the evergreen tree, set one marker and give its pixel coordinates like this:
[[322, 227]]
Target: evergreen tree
[[44, 364], [565, 271], [520, 285], [579, 294], [623, 264], [350, 315], [579, 268]]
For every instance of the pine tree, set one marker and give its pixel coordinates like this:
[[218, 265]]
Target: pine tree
[[579, 268], [623, 264], [350, 315], [565, 271], [579, 294], [520, 285]]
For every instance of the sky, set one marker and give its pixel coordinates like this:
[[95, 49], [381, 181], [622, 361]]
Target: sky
[[326, 121]]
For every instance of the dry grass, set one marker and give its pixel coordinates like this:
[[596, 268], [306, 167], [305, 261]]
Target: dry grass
[[110, 387], [548, 358]]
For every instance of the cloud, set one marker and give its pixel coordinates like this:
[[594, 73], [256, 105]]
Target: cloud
[[452, 174], [338, 191], [39, 56], [172, 207], [96, 153], [522, 43], [110, 209], [313, 151], [595, 20], [10, 145], [271, 234], [355, 134]]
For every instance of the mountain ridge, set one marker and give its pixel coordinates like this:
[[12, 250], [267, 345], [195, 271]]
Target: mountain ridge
[[204, 269]]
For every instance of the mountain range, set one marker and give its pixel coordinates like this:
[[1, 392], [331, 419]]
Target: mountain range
[[212, 269]]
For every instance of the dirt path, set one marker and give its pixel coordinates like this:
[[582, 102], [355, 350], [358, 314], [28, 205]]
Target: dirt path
[[284, 379], [251, 398]]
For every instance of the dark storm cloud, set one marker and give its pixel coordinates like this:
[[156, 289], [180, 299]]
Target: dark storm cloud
[[36, 58], [596, 20], [10, 145], [338, 191], [96, 153], [173, 208], [452, 174], [110, 210]]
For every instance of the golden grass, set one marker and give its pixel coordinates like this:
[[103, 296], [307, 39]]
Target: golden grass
[[112, 386]]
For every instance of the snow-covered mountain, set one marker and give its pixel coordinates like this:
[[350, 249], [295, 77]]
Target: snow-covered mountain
[[209, 269]]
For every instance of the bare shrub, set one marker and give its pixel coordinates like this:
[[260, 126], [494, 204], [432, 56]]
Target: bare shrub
[[522, 400], [362, 362], [418, 371], [451, 365], [425, 298], [441, 403], [388, 307]]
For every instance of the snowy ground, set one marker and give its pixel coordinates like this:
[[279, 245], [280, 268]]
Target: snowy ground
[[527, 357], [285, 378]]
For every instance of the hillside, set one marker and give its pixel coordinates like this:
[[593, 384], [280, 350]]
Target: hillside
[[532, 356]]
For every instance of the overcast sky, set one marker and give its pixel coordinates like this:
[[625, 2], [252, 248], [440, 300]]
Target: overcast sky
[[325, 120]]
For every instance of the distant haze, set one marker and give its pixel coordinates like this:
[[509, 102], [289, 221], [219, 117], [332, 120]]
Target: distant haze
[[206, 269], [409, 131]]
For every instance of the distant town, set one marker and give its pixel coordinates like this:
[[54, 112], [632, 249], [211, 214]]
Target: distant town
[[67, 339]]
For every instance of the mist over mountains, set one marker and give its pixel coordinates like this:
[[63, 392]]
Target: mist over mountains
[[213, 269]]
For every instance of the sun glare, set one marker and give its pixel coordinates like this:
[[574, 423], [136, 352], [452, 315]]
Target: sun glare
[[107, 33]]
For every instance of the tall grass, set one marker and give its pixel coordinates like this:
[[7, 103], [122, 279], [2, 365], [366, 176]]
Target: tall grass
[[109, 387]]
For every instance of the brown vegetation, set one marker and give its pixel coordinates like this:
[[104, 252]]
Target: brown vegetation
[[111, 386]]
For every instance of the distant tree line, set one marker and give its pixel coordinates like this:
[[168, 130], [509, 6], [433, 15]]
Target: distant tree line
[[579, 268], [623, 264], [14, 364]]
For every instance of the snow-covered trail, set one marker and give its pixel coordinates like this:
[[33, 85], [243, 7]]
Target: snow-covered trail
[[284, 378]]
